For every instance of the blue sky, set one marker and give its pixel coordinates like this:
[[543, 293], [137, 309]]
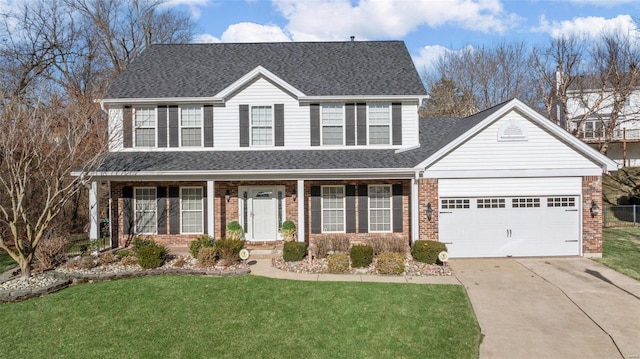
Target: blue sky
[[429, 27]]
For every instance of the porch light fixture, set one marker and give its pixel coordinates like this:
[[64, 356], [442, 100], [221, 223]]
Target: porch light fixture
[[294, 195], [429, 211], [595, 210], [227, 196]]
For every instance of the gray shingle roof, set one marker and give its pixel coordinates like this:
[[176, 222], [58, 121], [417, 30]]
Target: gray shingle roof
[[315, 68]]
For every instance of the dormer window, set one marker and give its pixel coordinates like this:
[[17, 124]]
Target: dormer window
[[145, 126], [332, 124], [261, 126]]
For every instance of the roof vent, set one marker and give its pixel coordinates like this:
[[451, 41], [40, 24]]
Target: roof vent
[[353, 38], [512, 130]]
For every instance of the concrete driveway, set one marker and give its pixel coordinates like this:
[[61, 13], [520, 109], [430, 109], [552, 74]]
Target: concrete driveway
[[552, 308]]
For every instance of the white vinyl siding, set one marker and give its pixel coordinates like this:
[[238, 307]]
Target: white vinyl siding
[[535, 186], [145, 210], [191, 210], [379, 124], [332, 125], [380, 208], [261, 126], [191, 126], [333, 215], [144, 122]]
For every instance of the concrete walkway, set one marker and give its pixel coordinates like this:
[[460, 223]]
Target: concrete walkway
[[263, 267], [552, 308]]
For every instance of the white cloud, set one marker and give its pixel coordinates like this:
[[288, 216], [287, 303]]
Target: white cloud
[[605, 3], [339, 19], [205, 39], [591, 26], [192, 5], [429, 55], [252, 32]]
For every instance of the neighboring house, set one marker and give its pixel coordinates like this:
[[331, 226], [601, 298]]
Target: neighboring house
[[327, 135], [590, 109]]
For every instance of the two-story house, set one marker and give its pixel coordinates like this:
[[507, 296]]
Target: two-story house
[[327, 134]]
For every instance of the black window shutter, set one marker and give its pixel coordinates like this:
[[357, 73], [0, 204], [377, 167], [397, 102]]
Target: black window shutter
[[162, 126], [208, 125], [127, 208], [396, 123], [173, 127], [350, 130], [315, 124], [162, 209], [362, 124], [278, 112], [244, 125], [204, 210], [350, 204], [363, 208], [398, 210], [174, 210], [316, 209], [127, 127]]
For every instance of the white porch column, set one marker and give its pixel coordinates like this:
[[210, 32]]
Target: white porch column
[[301, 215], [414, 212], [94, 224], [211, 196]]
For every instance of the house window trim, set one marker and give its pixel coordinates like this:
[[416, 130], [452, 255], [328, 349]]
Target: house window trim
[[135, 127], [344, 205], [135, 211], [202, 204], [251, 126], [181, 127], [342, 124], [389, 124], [390, 208]]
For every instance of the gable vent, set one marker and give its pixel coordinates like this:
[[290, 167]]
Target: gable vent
[[512, 130]]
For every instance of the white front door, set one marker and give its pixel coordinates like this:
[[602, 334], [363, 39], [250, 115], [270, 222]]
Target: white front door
[[262, 216]]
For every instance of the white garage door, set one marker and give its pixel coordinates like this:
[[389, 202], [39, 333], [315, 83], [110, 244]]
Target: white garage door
[[494, 224]]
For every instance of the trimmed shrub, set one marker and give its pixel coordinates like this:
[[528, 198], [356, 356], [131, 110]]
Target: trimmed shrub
[[123, 253], [294, 251], [206, 257], [228, 250], [138, 243], [200, 242], [390, 263], [427, 251], [234, 230], [129, 260], [391, 244], [151, 256], [288, 230], [338, 263], [361, 256]]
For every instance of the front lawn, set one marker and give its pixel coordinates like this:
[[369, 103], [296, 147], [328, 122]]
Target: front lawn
[[236, 317], [6, 262], [621, 250]]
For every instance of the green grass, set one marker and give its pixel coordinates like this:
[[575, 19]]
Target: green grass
[[621, 250], [241, 317], [6, 262]]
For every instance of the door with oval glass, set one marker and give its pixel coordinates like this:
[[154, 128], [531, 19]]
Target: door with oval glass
[[262, 216]]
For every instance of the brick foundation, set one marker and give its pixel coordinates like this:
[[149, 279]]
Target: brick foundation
[[591, 224]]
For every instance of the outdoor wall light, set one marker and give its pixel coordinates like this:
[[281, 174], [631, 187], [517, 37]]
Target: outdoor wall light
[[227, 196], [294, 195], [595, 210], [429, 211]]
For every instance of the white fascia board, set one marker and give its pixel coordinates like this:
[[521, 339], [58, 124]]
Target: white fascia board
[[158, 100], [258, 71], [603, 161], [550, 172], [367, 98]]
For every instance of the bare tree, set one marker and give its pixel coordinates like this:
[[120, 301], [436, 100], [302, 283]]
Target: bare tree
[[447, 100]]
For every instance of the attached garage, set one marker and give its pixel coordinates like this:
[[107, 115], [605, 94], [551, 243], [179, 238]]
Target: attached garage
[[497, 217]]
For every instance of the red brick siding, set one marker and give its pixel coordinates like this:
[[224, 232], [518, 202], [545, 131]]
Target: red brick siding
[[591, 225], [428, 193]]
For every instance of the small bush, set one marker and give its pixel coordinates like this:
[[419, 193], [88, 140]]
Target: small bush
[[138, 243], [86, 263], [151, 256], [427, 251], [206, 257], [391, 244], [338, 263], [327, 244], [129, 260], [234, 230], [200, 242], [361, 256], [123, 253], [107, 258], [294, 251], [390, 263], [288, 230], [180, 261], [228, 250], [51, 251], [340, 244], [322, 246]]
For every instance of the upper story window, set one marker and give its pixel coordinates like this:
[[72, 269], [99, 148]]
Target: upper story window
[[191, 126], [261, 126], [593, 129], [379, 124], [332, 125], [145, 126]]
